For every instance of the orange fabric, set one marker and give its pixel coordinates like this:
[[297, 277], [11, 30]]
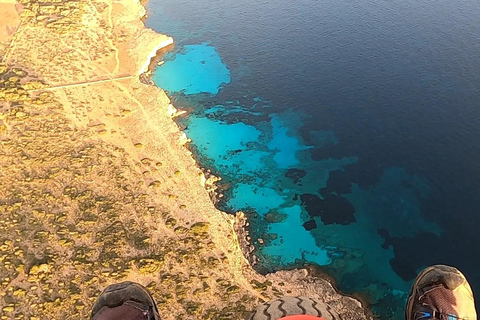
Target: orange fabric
[[301, 317]]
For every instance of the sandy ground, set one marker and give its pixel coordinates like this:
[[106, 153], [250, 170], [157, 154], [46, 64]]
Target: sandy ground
[[9, 13], [10, 20], [97, 186]]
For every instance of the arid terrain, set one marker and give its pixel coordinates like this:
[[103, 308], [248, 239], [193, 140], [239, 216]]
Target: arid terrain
[[97, 186]]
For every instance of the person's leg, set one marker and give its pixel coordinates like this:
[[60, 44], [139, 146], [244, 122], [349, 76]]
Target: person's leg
[[440, 292], [125, 301], [294, 308]]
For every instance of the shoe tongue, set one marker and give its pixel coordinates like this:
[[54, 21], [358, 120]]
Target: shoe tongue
[[450, 302]]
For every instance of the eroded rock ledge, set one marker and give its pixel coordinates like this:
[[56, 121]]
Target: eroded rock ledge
[[96, 184]]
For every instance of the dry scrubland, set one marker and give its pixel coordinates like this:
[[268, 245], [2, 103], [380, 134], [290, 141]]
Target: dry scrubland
[[96, 185]]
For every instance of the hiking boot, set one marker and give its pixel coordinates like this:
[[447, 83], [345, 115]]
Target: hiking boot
[[440, 292], [125, 301]]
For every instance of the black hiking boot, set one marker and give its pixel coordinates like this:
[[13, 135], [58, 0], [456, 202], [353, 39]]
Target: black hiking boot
[[125, 301], [440, 292]]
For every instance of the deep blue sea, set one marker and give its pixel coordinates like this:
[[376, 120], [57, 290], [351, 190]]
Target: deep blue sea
[[347, 130]]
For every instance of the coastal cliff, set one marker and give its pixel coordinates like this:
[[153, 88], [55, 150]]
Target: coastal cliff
[[97, 185]]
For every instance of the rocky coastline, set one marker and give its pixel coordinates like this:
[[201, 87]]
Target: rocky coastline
[[98, 184]]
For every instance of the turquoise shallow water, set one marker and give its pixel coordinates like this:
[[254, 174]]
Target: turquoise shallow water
[[198, 69], [347, 131]]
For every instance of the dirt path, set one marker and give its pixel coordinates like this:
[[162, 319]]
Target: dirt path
[[84, 83]]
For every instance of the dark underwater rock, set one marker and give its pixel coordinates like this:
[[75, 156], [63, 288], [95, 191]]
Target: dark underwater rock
[[338, 182], [332, 209], [310, 225], [275, 217], [295, 174]]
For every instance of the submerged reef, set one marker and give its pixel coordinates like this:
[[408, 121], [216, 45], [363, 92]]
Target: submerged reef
[[332, 209]]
